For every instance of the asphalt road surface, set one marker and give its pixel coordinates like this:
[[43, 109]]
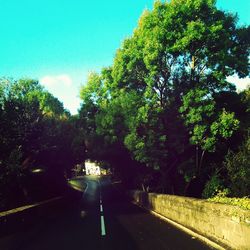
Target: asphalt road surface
[[100, 218]]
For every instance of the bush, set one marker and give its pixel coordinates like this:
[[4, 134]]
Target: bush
[[239, 202], [238, 167], [213, 186]]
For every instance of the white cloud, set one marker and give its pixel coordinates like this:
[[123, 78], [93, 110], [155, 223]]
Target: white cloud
[[63, 80], [63, 87], [241, 84]]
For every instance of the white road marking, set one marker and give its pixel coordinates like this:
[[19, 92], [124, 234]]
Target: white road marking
[[103, 230]]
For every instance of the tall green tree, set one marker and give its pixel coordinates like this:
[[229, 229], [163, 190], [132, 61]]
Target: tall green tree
[[159, 98], [33, 125]]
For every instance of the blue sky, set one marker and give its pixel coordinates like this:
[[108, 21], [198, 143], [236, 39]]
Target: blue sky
[[60, 41]]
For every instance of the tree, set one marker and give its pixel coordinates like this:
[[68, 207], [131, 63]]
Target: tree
[[159, 98], [178, 59], [33, 133]]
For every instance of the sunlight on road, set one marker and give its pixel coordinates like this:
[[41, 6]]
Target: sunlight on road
[[77, 184]]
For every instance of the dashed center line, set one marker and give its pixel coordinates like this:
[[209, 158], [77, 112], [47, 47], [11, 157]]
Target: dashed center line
[[103, 229]]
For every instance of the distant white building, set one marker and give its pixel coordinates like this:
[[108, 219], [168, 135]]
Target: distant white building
[[92, 168]]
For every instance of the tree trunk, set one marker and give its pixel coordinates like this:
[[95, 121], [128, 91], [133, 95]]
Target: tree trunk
[[197, 157], [201, 160]]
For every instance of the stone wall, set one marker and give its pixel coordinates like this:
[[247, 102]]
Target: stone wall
[[224, 224]]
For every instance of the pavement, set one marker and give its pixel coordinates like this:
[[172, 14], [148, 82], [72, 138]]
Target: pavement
[[101, 217]]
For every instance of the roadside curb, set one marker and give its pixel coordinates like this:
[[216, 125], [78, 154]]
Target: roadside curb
[[23, 208], [183, 228], [20, 218]]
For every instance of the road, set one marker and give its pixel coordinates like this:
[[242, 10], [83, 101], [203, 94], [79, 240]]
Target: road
[[101, 218]]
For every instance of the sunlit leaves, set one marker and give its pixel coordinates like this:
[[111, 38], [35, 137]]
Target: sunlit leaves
[[207, 124], [159, 97], [92, 90]]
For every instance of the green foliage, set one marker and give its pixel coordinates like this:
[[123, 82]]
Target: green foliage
[[243, 202], [238, 167], [91, 92], [207, 124], [35, 131], [162, 94], [213, 187]]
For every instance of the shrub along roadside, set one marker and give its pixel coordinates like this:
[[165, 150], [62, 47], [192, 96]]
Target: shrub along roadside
[[243, 202]]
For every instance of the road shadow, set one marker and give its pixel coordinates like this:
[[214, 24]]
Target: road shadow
[[25, 220], [131, 227]]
